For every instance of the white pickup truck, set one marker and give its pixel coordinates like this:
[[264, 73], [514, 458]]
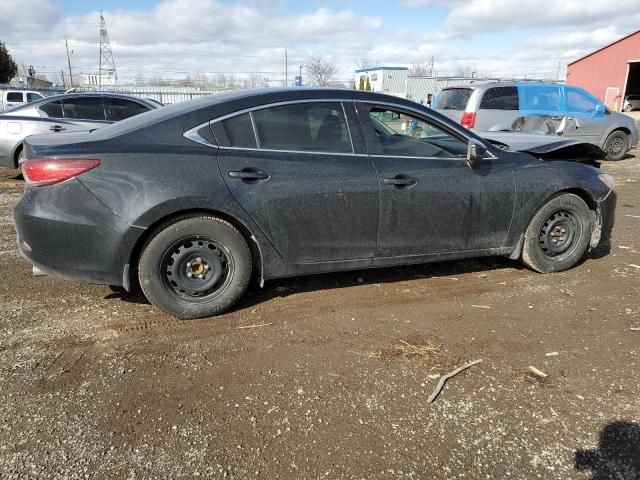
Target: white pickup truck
[[11, 98]]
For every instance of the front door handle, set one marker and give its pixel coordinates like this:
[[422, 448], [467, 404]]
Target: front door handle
[[400, 181], [57, 128], [249, 174]]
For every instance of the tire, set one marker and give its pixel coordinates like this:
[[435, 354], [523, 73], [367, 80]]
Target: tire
[[617, 145], [20, 158], [628, 108], [195, 266], [558, 235]]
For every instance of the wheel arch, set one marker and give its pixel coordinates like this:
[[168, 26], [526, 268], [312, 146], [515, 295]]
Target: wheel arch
[[616, 128], [16, 153], [591, 203], [129, 276]]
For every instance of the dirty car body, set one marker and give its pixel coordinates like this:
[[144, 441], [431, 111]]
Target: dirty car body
[[311, 180], [61, 114]]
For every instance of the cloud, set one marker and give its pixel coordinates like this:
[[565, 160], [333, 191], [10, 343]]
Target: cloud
[[495, 15], [179, 37]]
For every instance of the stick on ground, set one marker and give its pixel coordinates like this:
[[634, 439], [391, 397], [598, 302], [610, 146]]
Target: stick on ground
[[446, 377], [257, 325]]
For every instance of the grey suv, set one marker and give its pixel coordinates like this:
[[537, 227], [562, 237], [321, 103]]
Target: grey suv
[[545, 108]]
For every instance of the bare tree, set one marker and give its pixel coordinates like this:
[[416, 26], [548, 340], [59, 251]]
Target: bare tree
[[421, 70], [466, 71], [321, 72], [365, 63]]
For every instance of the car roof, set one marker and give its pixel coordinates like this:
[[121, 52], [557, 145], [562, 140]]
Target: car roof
[[507, 83], [201, 109]]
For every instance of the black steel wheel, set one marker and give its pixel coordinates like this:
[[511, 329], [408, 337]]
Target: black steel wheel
[[195, 266], [558, 235], [617, 145]]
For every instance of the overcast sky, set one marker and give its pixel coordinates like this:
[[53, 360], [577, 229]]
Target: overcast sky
[[173, 38]]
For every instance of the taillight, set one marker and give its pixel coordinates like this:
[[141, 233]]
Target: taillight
[[468, 119], [49, 171]]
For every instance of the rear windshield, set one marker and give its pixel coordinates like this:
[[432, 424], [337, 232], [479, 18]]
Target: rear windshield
[[453, 99]]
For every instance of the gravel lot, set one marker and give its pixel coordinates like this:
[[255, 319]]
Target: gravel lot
[[334, 380]]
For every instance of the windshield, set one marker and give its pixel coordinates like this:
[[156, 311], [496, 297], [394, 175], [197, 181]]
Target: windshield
[[452, 99]]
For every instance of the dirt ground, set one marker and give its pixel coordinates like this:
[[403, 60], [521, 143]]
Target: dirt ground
[[333, 381]]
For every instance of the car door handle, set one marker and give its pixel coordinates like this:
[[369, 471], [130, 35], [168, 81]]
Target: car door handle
[[400, 181], [249, 174], [57, 128]]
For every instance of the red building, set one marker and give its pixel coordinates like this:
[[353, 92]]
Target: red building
[[610, 73]]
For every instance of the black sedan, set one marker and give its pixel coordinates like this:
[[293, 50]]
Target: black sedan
[[189, 200]]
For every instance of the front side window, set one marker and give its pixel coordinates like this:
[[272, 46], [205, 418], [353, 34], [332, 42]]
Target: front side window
[[32, 97], [500, 98], [120, 108], [400, 134], [312, 127], [87, 108], [580, 102]]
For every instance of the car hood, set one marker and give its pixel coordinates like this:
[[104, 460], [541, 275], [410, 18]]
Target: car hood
[[542, 144]]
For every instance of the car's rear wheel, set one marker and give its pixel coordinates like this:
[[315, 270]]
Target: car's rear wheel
[[195, 266], [558, 235], [20, 158], [617, 145], [628, 107]]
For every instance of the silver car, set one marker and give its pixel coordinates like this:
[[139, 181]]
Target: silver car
[[631, 102], [542, 108], [63, 113]]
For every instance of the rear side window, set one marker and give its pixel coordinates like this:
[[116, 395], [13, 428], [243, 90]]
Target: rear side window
[[87, 108], [500, 98], [314, 127], [240, 131], [15, 97], [120, 108], [453, 99], [52, 109], [540, 98]]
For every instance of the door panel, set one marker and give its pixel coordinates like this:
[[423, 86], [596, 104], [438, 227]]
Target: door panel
[[431, 201], [433, 215], [313, 207]]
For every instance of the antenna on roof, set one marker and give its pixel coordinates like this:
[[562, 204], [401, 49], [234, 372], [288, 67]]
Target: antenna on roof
[[106, 55]]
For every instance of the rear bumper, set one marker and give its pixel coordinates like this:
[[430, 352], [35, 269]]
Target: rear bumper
[[66, 232]]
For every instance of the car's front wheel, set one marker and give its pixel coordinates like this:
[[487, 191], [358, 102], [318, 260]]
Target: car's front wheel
[[558, 235], [195, 266], [617, 145], [628, 107]]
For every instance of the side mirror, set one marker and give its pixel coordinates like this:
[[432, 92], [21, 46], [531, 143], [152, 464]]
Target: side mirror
[[475, 151], [601, 110]]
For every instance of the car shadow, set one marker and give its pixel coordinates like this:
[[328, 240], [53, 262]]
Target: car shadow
[[617, 456], [284, 287]]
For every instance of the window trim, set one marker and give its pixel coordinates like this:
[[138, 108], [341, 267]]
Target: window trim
[[191, 133]]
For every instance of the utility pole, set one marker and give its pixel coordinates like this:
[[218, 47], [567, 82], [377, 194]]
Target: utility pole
[[286, 68], [66, 44], [106, 55], [64, 82]]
